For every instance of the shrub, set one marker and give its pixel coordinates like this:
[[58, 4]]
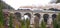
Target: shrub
[[43, 24]]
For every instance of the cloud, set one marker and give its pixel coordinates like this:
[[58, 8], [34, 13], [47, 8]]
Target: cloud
[[17, 3]]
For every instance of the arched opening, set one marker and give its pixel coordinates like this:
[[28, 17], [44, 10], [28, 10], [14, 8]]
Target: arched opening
[[36, 20], [54, 16], [18, 15], [27, 15], [37, 15], [45, 16], [17, 19]]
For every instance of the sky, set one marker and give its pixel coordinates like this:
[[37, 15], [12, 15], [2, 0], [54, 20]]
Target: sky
[[17, 3]]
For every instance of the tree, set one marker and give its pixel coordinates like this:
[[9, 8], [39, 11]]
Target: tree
[[10, 22], [2, 6], [1, 16], [56, 22], [27, 22], [43, 24], [23, 23]]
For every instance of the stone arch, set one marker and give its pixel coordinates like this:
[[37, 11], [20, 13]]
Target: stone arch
[[28, 14], [27, 21], [54, 16], [37, 14], [18, 15], [45, 16]]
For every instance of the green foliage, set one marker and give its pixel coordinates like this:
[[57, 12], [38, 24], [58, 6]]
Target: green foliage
[[22, 22], [56, 22], [58, 17], [43, 24], [10, 22], [1, 16], [25, 23]]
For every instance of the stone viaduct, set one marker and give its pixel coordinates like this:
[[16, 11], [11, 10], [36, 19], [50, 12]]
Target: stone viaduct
[[46, 15]]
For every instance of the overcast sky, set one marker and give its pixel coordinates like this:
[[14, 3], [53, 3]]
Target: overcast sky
[[17, 3]]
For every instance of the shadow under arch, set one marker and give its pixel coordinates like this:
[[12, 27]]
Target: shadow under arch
[[27, 17], [28, 14], [45, 16], [18, 15], [38, 15], [54, 16]]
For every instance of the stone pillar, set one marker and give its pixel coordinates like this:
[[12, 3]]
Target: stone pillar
[[32, 21], [40, 20], [49, 22], [22, 16]]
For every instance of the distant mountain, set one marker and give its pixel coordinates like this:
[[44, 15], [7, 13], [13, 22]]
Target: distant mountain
[[58, 1], [52, 9], [53, 1], [5, 6]]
